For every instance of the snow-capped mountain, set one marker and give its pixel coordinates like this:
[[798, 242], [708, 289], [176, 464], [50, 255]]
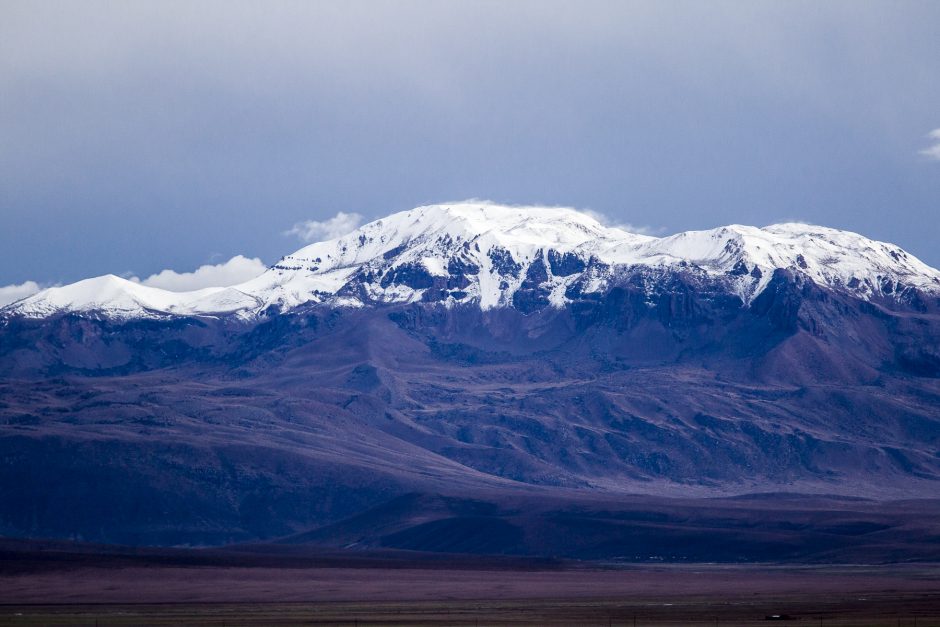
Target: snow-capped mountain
[[474, 348], [508, 256]]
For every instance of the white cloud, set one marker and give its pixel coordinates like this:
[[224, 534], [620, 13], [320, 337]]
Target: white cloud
[[236, 270], [933, 152], [317, 231], [12, 293]]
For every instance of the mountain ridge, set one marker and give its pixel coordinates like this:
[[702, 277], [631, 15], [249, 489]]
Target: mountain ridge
[[504, 256]]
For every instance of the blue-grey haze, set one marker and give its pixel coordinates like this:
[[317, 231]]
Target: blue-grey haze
[[138, 136]]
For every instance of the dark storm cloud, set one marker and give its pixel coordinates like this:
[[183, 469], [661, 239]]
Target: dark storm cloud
[[138, 136]]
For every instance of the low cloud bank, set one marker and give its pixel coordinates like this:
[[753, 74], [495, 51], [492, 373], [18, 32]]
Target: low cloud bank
[[12, 293], [236, 270]]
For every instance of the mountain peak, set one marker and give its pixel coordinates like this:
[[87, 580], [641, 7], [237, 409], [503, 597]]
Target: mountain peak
[[471, 220]]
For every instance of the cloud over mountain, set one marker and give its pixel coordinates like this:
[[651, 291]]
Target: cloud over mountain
[[12, 293], [236, 270], [319, 230]]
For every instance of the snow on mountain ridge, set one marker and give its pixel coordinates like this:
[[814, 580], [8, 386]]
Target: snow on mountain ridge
[[495, 255], [121, 298]]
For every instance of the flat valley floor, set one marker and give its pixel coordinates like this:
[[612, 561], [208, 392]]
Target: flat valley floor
[[51, 588]]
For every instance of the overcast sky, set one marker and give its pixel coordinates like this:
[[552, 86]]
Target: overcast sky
[[137, 137]]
